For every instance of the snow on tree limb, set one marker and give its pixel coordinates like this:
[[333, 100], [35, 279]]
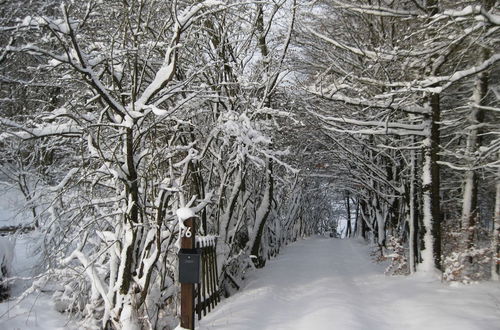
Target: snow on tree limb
[[355, 50], [25, 133], [382, 124], [448, 80], [376, 10], [371, 103], [470, 10]]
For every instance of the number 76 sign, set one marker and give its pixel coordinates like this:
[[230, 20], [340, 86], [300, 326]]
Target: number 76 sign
[[186, 232]]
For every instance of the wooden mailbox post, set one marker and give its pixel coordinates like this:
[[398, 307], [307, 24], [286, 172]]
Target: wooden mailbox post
[[187, 288]]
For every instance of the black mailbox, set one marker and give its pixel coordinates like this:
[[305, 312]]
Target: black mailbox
[[189, 266]]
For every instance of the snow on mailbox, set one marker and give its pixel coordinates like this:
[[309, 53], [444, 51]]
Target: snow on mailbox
[[189, 266]]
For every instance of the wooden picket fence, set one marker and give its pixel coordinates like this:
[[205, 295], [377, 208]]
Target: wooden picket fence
[[207, 291]]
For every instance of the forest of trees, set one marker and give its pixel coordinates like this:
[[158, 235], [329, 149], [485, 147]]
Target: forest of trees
[[265, 118]]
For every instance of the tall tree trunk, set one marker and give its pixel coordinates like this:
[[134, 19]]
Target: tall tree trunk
[[412, 219], [431, 217], [495, 241], [476, 118], [435, 181], [431, 254]]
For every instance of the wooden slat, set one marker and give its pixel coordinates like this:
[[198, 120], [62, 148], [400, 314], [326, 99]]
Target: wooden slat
[[207, 292]]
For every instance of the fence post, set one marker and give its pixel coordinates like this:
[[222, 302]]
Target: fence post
[[187, 289]]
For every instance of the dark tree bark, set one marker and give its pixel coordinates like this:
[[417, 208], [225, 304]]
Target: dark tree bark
[[348, 214]]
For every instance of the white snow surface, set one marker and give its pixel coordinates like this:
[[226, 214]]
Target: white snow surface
[[332, 284], [36, 312], [184, 213], [11, 202]]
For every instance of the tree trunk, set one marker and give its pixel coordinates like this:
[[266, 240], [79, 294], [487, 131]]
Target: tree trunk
[[132, 218], [495, 241], [356, 218], [412, 219], [363, 210], [476, 118], [431, 253], [348, 214], [261, 218], [436, 182]]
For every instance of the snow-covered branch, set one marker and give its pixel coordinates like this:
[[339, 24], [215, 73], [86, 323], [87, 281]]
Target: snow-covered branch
[[371, 103], [376, 10]]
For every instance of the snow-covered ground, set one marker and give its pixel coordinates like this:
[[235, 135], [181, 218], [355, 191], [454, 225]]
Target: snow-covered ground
[[331, 284], [37, 311], [12, 212], [34, 313], [11, 202]]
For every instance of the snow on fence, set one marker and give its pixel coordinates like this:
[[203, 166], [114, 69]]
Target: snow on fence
[[207, 291]]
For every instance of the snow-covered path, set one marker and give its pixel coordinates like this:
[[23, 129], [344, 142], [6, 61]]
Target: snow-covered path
[[331, 284]]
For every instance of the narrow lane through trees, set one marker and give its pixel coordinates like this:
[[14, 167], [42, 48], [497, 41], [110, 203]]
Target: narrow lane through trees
[[332, 284]]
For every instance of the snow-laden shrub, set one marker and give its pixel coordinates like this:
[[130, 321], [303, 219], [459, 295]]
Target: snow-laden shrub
[[6, 256], [234, 273], [462, 263], [85, 286], [397, 256], [466, 266]]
